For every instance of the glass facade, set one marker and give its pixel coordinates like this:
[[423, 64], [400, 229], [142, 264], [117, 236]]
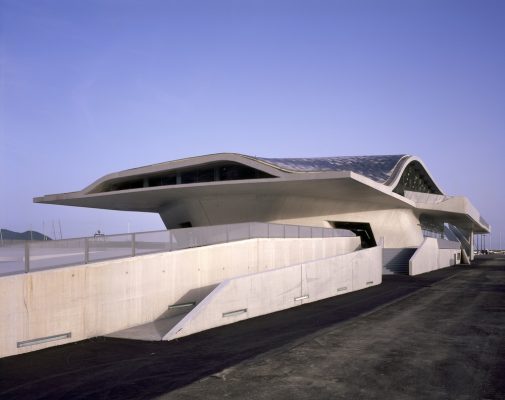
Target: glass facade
[[126, 185], [233, 172], [198, 175], [416, 179], [162, 180], [207, 173], [431, 227], [378, 168]]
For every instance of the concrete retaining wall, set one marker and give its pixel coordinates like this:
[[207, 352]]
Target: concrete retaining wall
[[429, 257], [265, 292], [100, 298]]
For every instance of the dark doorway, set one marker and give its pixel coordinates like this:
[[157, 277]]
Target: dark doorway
[[361, 229]]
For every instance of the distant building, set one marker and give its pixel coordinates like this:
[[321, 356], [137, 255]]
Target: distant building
[[390, 197]]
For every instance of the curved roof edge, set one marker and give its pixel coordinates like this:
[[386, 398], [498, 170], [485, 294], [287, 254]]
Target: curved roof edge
[[182, 164], [400, 169], [382, 173], [378, 168], [383, 169], [386, 169]]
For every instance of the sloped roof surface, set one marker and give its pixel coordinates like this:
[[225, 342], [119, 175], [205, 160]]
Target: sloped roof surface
[[378, 168]]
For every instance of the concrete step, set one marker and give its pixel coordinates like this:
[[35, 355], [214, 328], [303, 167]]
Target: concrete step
[[391, 271], [396, 261]]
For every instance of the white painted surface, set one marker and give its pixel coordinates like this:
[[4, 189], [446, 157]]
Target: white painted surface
[[399, 227], [430, 257], [105, 297], [278, 289]]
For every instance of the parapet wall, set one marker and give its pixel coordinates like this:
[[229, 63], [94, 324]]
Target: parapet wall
[[90, 300], [432, 255], [261, 293]]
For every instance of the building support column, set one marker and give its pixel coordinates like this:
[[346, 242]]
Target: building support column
[[470, 239]]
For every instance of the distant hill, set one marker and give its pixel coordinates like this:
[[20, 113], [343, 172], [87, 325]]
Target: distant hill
[[11, 235]]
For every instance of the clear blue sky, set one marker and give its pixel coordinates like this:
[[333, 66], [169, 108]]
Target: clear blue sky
[[91, 87]]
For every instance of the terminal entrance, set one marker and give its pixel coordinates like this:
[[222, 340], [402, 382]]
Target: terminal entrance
[[361, 229]]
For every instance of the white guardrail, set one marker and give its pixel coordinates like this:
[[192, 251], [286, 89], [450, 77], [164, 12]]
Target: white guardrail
[[27, 256]]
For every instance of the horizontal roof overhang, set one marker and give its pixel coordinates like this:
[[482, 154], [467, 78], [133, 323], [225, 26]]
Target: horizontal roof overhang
[[335, 186], [457, 210]]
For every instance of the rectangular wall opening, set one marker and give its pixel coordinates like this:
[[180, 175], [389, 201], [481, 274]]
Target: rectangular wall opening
[[361, 229]]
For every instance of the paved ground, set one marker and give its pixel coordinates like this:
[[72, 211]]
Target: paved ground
[[437, 336]]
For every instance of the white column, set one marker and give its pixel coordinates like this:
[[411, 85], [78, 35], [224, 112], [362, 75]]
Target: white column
[[470, 239]]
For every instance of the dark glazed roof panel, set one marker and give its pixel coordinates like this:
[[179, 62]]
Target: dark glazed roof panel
[[377, 168]]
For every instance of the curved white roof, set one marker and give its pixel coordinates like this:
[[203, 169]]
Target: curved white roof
[[385, 178]]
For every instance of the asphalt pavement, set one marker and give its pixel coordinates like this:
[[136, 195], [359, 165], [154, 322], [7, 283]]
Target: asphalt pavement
[[439, 335]]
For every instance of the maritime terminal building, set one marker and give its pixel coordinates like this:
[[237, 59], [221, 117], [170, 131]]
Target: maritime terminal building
[[246, 236], [391, 198]]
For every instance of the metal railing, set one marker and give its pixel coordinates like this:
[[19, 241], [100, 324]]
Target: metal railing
[[27, 256]]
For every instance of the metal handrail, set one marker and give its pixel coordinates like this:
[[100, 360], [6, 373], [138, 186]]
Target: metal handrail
[[84, 250]]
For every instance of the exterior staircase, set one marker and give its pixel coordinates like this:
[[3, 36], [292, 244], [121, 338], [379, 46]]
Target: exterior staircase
[[458, 235], [396, 261]]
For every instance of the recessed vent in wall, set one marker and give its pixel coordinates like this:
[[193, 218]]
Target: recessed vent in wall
[[45, 339]]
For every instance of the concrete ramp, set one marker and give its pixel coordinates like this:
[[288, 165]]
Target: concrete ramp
[[152, 331], [434, 254], [157, 329], [252, 295], [147, 296]]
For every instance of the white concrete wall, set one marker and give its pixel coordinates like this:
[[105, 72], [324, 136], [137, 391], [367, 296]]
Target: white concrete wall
[[398, 227], [388, 217], [265, 292], [100, 298], [430, 257]]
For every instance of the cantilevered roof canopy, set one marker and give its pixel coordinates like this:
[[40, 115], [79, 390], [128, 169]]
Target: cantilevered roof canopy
[[383, 178]]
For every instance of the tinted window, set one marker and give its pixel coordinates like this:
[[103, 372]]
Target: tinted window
[[162, 180], [237, 172]]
